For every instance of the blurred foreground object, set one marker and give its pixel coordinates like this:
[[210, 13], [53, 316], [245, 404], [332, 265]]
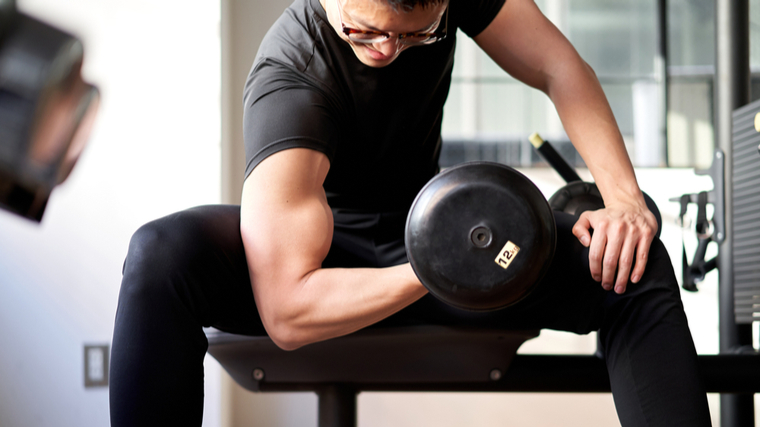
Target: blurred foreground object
[[46, 110]]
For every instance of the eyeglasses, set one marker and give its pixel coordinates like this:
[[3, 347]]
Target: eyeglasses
[[409, 39]]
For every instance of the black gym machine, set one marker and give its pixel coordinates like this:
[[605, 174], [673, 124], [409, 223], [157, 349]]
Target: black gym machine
[[732, 94]]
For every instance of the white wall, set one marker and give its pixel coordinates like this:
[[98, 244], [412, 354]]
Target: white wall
[[154, 150]]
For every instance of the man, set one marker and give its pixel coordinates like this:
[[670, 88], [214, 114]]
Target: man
[[342, 129]]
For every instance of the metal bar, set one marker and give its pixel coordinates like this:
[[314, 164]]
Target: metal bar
[[556, 161], [545, 373], [337, 406], [732, 91], [661, 68], [717, 172]]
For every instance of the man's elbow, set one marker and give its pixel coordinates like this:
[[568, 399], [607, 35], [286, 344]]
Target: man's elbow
[[287, 340], [561, 78], [285, 332]]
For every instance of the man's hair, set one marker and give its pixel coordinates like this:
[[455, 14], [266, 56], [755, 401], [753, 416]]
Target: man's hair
[[409, 5]]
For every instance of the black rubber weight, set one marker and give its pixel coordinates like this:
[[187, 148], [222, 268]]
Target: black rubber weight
[[578, 197], [463, 230]]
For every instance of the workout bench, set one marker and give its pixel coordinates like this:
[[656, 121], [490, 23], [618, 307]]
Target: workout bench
[[431, 358], [394, 359]]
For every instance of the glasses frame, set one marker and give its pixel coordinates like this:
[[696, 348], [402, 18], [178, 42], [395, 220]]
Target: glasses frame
[[402, 38]]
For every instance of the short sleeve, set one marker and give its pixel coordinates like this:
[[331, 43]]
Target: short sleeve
[[282, 111], [473, 16]]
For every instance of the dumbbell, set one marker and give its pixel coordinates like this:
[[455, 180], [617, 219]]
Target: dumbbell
[[480, 236], [578, 196]]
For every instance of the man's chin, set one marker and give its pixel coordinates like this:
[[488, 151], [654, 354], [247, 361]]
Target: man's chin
[[375, 63], [372, 58]]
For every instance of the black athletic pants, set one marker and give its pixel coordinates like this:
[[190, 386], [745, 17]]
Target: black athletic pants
[[188, 270]]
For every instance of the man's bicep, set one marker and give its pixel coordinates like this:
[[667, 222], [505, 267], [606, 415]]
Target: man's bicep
[[286, 224]]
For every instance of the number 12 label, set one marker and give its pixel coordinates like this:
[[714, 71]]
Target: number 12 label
[[507, 255]]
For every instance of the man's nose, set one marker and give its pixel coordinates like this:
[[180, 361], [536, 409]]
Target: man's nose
[[389, 47]]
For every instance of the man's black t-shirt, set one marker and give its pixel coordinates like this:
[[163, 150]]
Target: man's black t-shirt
[[379, 127]]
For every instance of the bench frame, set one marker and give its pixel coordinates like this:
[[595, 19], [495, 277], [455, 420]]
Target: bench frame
[[433, 359]]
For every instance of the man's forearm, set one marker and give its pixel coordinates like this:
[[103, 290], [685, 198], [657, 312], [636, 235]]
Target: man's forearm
[[329, 303], [591, 126]]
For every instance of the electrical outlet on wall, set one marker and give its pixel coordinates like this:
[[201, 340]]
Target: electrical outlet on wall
[[96, 365]]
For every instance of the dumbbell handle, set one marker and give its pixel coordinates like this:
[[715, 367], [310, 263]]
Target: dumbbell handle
[[554, 159]]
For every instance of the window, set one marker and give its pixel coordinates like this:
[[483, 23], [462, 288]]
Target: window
[[490, 115]]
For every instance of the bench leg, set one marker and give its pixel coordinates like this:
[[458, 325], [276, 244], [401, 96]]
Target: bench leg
[[337, 406], [737, 410]]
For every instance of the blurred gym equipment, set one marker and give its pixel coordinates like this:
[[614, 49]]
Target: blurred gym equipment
[[46, 110]]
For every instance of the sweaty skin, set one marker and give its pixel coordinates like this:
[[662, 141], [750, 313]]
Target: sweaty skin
[[287, 225]]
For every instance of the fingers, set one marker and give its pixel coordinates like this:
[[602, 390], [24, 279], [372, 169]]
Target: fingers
[[625, 262], [596, 243], [609, 256], [580, 230], [618, 248], [597, 249], [642, 254]]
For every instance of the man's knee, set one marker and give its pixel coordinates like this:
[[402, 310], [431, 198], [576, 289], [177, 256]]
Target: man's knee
[[197, 245], [148, 263], [160, 253], [655, 297], [156, 246], [186, 238], [659, 273]]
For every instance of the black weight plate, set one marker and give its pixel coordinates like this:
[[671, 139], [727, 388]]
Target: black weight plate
[[578, 197], [461, 222]]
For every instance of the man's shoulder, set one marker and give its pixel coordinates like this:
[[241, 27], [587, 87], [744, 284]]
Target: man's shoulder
[[299, 40], [294, 55], [291, 39], [473, 16]]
